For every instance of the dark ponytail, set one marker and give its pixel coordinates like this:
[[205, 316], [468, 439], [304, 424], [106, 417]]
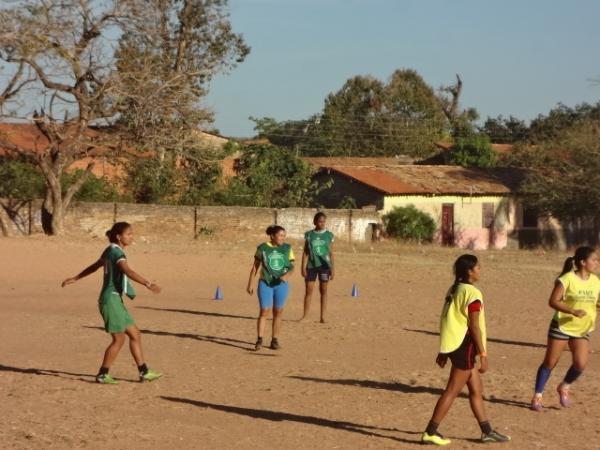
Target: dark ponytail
[[117, 229], [574, 262], [272, 230], [462, 266], [318, 216]]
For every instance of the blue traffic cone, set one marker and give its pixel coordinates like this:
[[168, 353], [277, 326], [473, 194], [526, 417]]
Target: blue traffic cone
[[354, 290], [218, 294]]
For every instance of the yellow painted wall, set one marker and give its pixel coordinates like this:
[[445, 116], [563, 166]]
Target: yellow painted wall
[[468, 212]]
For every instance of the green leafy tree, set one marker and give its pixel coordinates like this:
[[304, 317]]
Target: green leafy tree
[[150, 180], [270, 176], [474, 151], [563, 174], [505, 130], [409, 224], [93, 189]]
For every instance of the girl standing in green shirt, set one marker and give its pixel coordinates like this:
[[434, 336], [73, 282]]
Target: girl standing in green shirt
[[317, 262], [275, 259], [117, 320]]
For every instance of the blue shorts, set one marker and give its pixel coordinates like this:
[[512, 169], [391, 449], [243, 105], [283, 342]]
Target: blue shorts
[[269, 296]]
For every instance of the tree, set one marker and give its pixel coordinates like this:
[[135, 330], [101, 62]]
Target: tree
[[564, 173], [505, 130], [461, 122], [96, 99], [473, 151], [271, 177]]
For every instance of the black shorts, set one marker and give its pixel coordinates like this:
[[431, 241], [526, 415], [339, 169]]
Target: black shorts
[[320, 272], [464, 356], [554, 332]]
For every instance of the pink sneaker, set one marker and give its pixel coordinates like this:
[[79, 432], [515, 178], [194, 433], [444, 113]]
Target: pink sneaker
[[563, 394], [536, 403]]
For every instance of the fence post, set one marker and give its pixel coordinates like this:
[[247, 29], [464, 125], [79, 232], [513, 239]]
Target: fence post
[[350, 226], [115, 213], [275, 216], [29, 218], [195, 222]]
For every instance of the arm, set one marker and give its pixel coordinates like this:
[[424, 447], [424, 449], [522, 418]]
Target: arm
[[253, 271], [556, 301], [332, 261], [475, 333], [84, 273], [122, 264], [286, 275], [304, 260]]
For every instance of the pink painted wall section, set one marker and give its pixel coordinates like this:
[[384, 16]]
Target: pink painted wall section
[[481, 238]]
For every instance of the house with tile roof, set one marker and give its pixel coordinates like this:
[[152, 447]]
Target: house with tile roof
[[473, 208]]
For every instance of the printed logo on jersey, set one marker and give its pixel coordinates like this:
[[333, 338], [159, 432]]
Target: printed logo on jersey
[[276, 260], [319, 246]]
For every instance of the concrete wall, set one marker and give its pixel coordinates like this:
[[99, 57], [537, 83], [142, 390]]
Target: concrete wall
[[186, 222]]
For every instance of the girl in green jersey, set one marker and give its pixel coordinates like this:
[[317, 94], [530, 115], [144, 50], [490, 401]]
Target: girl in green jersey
[[317, 262], [275, 259], [117, 320]]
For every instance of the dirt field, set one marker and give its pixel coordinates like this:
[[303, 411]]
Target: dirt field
[[365, 380]]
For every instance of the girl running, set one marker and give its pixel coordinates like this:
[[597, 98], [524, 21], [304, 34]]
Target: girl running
[[117, 320], [574, 299], [317, 262], [275, 259], [462, 337]]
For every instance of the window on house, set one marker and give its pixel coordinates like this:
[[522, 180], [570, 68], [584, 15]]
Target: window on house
[[487, 215], [530, 218]]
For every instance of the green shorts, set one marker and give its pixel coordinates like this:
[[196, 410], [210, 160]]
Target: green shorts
[[115, 315]]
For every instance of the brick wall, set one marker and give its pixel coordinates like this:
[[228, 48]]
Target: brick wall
[[184, 222]]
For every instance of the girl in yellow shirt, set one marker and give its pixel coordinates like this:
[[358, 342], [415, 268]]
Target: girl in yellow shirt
[[462, 338], [574, 299]]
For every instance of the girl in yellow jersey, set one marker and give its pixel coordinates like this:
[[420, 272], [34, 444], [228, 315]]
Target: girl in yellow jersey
[[462, 338], [574, 299]]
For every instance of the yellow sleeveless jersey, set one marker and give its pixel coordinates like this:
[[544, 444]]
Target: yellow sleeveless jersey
[[454, 323], [579, 294]]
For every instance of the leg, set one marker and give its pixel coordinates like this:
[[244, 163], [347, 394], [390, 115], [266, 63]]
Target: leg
[[262, 320], [458, 379], [118, 339], [554, 349], [135, 344], [475, 386], [277, 318], [323, 292], [580, 349], [309, 287]]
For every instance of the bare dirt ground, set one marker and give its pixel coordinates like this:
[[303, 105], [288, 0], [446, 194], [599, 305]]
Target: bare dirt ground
[[365, 380]]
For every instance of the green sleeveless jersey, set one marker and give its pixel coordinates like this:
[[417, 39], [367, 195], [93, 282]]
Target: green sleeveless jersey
[[115, 281], [318, 243], [276, 261]]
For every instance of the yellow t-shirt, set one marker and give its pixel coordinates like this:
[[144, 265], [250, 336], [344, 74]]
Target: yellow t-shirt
[[454, 322], [579, 294]]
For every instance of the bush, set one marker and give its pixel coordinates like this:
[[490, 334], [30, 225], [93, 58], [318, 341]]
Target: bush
[[409, 224]]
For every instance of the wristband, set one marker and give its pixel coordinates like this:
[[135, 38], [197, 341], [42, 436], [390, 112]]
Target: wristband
[[148, 284], [484, 354]]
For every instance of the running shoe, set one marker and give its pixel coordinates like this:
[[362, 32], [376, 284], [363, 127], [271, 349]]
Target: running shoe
[[150, 375], [494, 436], [106, 379], [434, 439], [275, 344], [536, 403], [259, 344], [563, 395]]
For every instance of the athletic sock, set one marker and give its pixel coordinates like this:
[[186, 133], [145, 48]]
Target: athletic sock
[[432, 428], [572, 375], [543, 374], [486, 428], [103, 371], [143, 369]]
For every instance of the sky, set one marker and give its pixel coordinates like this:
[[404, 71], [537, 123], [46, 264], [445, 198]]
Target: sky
[[518, 57]]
